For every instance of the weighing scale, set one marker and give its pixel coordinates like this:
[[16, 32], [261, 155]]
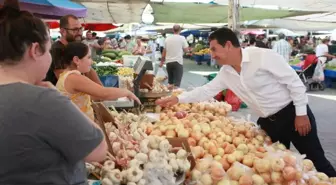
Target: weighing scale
[[142, 65]]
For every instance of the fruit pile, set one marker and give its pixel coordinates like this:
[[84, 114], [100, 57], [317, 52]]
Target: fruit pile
[[125, 71], [229, 151], [203, 52]]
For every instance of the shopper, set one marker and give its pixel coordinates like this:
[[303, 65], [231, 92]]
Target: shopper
[[270, 87], [92, 42], [79, 88], [44, 138], [172, 55], [283, 47], [322, 51], [71, 31]]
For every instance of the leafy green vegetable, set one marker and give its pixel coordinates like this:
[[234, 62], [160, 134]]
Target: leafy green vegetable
[[295, 61], [330, 67], [106, 70]]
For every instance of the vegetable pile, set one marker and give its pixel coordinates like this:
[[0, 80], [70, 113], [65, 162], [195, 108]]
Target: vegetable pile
[[227, 151], [230, 151], [114, 54], [137, 158], [106, 70]]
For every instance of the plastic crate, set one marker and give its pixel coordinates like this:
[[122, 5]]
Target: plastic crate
[[198, 58], [207, 58], [110, 80]]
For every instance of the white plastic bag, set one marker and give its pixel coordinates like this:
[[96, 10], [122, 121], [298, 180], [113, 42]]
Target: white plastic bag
[[161, 74], [318, 73]]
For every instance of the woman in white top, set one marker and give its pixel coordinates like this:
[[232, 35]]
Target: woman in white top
[[322, 51]]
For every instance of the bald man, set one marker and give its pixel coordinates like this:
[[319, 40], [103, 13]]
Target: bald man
[[172, 55]]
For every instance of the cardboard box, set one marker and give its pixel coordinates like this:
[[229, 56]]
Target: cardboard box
[[102, 116], [183, 143]]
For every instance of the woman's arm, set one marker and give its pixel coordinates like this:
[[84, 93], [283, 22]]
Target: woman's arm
[[80, 83], [92, 75]]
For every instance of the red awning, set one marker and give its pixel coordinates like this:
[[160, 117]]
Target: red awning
[[86, 26], [99, 27]]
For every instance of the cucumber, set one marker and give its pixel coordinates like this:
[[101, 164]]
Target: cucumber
[[110, 55]]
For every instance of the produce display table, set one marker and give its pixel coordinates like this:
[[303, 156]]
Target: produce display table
[[330, 75]]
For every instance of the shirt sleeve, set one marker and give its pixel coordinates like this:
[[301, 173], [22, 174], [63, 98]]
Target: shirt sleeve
[[275, 64], [65, 128], [185, 43], [206, 91]]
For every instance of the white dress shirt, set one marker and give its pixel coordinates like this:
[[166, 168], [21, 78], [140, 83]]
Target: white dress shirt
[[266, 84]]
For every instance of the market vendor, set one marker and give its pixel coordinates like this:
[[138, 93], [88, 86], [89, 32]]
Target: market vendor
[[79, 88], [71, 31], [44, 138], [139, 49], [268, 85]]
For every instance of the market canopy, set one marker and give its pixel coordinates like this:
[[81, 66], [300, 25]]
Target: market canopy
[[86, 26], [311, 5], [290, 24], [113, 11], [211, 13], [321, 17], [53, 9]]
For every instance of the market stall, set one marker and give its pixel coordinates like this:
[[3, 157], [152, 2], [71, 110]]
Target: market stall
[[197, 144]]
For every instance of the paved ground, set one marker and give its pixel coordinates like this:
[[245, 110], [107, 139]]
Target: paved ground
[[322, 103]]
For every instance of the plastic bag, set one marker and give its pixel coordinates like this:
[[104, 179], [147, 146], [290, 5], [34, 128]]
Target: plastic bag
[[318, 73], [161, 74], [233, 100]]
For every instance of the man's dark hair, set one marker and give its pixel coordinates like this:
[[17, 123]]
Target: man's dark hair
[[94, 34], [222, 35], [252, 41], [127, 37], [213, 29], [64, 21]]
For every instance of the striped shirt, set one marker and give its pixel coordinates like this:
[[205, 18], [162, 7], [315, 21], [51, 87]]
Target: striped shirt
[[283, 48]]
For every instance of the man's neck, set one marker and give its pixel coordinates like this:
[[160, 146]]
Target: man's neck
[[238, 61], [63, 41]]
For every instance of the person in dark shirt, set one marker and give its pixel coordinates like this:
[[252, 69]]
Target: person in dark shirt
[[71, 31], [44, 138], [260, 43]]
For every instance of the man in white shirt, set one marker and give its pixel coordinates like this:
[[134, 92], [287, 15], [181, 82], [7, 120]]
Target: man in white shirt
[[268, 85], [283, 47], [322, 51], [92, 43], [172, 54]]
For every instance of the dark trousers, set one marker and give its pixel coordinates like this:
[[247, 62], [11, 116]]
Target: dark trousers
[[175, 73], [281, 127]]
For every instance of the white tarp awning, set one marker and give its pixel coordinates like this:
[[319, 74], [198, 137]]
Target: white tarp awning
[[311, 5], [113, 11], [292, 24], [321, 17]]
